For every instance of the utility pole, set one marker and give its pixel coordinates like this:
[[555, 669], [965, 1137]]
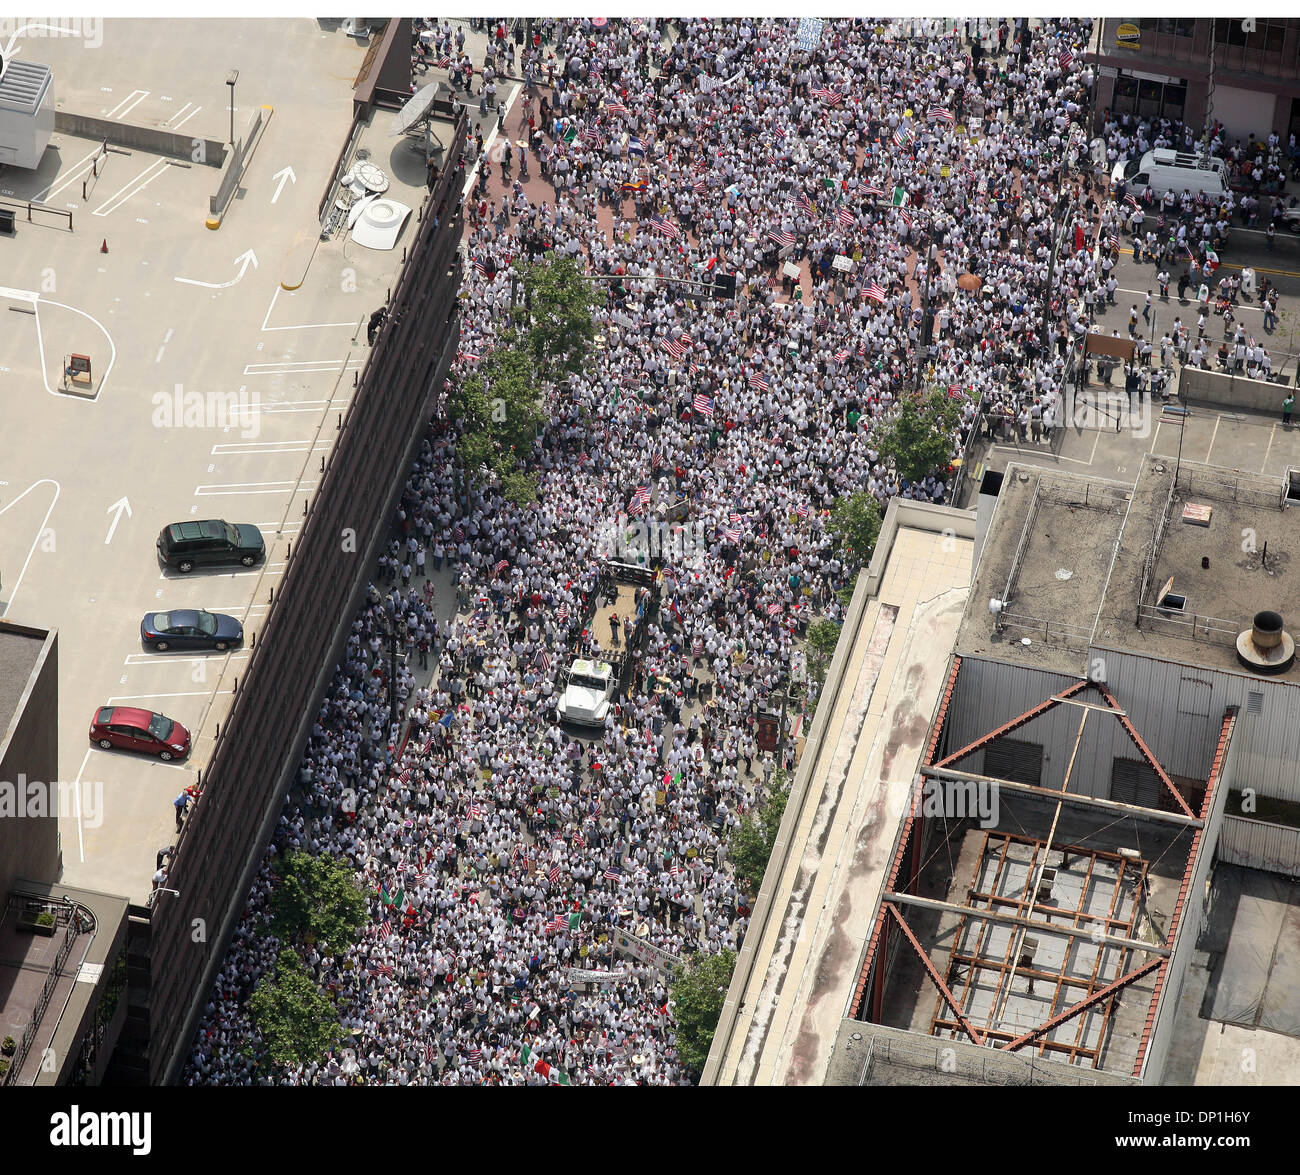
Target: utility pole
[[931, 252]]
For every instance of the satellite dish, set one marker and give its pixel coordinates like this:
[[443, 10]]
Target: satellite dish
[[417, 109], [996, 606], [380, 224]]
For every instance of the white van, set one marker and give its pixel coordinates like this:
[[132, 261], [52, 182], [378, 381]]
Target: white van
[[1163, 171]]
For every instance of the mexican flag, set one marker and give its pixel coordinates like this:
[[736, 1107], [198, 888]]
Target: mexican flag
[[575, 920], [530, 1060], [389, 899]]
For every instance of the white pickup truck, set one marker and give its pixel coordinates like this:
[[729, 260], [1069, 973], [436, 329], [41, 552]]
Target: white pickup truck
[[589, 692]]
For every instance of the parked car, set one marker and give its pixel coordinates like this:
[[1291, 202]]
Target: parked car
[[139, 730], [188, 628], [1291, 218], [187, 545]]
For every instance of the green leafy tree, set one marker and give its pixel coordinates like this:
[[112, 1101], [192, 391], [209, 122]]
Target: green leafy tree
[[499, 408], [559, 315], [297, 1022], [920, 436], [855, 523], [519, 487], [318, 896], [751, 842], [698, 992]]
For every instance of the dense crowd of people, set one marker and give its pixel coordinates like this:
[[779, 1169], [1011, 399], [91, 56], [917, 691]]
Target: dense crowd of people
[[500, 851]]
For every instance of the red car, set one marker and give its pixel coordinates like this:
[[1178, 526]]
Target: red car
[[139, 730]]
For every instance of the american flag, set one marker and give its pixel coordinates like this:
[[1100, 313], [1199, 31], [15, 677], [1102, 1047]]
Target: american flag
[[474, 1054], [612, 875], [405, 776], [804, 202], [841, 356], [733, 517], [657, 460], [677, 347], [902, 137], [442, 63], [939, 114], [556, 924], [381, 969], [583, 458], [731, 534], [501, 566], [561, 614], [676, 871], [665, 226], [782, 239], [430, 1052], [593, 136], [385, 928], [905, 217], [1112, 242], [876, 292], [774, 609], [615, 108], [870, 191], [701, 185], [846, 218], [543, 662], [827, 96], [757, 381], [639, 500], [480, 266], [702, 404], [801, 511], [1065, 59], [474, 812]]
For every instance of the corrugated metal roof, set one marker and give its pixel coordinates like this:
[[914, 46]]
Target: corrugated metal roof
[[23, 85]]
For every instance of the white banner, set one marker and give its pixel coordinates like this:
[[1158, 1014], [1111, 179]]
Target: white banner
[[582, 975], [628, 944]]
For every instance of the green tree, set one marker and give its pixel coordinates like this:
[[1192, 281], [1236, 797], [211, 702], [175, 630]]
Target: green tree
[[698, 992], [296, 1020], [317, 895], [751, 842], [559, 315], [855, 523], [499, 409], [920, 436]]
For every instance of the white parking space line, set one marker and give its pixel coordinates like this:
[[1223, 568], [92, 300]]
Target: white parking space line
[[1217, 421], [194, 693], [40, 530], [234, 448], [166, 339], [183, 121], [232, 574], [302, 366], [40, 341], [134, 660], [302, 326], [83, 165], [76, 788], [236, 488], [131, 187], [118, 112], [305, 405], [1272, 432]]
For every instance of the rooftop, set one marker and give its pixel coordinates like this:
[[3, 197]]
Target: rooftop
[[22, 85], [20, 648], [1078, 562]]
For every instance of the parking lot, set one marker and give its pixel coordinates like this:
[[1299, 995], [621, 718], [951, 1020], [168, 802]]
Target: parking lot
[[215, 390]]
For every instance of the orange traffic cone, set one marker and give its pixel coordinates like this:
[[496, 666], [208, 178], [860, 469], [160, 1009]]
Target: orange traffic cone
[[104, 247]]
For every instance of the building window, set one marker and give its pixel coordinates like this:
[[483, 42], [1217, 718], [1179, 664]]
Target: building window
[[1172, 26], [1268, 36], [1149, 99]]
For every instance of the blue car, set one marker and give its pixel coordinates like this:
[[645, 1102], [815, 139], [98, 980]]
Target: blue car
[[190, 629]]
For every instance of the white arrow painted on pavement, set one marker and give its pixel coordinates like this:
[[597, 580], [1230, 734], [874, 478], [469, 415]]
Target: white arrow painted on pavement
[[285, 173], [116, 510], [247, 257]]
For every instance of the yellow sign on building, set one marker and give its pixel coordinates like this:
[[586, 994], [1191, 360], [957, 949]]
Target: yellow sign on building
[[1128, 36]]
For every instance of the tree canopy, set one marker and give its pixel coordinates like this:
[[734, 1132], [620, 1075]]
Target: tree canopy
[[698, 992], [855, 523], [317, 896], [297, 1022], [919, 436]]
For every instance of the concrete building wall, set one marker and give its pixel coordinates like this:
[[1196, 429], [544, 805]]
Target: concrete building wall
[[1160, 696], [29, 746], [1257, 845], [1192, 921]]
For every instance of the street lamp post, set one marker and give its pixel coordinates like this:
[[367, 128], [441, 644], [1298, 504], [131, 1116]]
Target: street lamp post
[[232, 76], [923, 343]]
